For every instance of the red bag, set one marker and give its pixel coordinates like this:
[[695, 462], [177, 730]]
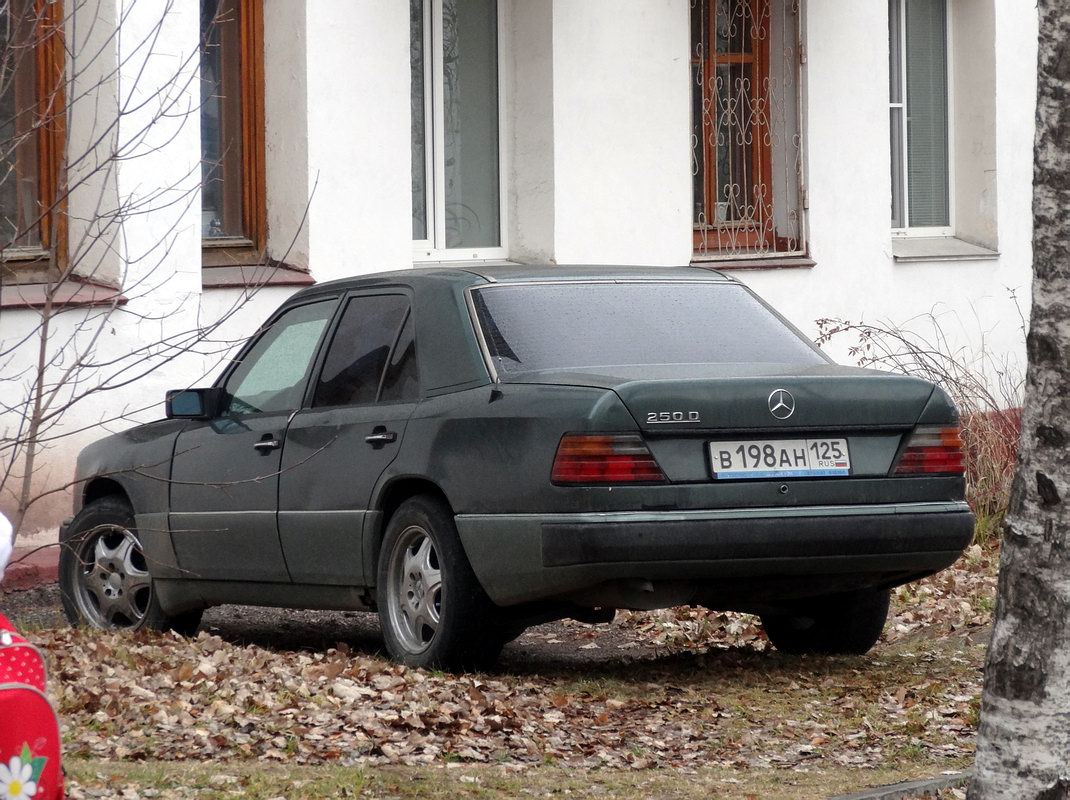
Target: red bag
[[29, 728], [20, 661]]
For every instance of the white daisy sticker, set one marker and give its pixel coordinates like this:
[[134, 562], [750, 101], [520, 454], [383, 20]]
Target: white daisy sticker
[[18, 778]]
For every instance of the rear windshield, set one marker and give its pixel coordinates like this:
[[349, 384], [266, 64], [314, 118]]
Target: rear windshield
[[592, 325]]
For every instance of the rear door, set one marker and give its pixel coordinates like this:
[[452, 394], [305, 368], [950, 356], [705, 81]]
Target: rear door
[[349, 431], [225, 474]]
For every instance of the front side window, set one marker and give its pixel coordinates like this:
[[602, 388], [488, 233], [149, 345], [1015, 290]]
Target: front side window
[[589, 326], [271, 376], [31, 115], [359, 368], [918, 106], [456, 181], [232, 193], [746, 142]]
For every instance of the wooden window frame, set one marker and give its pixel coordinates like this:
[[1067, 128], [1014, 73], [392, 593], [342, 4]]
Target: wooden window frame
[[250, 249], [47, 260], [762, 151]]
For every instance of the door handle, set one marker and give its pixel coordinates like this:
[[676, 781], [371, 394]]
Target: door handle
[[381, 437], [267, 444]]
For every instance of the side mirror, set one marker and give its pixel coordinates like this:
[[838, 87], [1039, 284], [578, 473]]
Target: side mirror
[[192, 403]]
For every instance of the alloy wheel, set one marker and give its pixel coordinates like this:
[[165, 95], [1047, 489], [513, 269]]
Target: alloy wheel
[[113, 587], [414, 590]]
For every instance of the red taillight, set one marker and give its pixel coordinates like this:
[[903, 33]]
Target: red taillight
[[932, 450], [602, 458]]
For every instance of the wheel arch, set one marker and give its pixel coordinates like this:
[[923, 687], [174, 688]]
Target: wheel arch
[[97, 488], [389, 498]]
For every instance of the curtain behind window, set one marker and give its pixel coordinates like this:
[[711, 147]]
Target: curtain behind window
[[926, 73]]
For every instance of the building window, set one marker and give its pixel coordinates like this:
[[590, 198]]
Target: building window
[[233, 210], [918, 106], [32, 128], [746, 143], [456, 167]]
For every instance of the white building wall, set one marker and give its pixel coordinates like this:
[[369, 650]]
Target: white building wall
[[622, 163], [1016, 76], [92, 132], [973, 75], [848, 167], [359, 137], [528, 133], [286, 120], [855, 276]]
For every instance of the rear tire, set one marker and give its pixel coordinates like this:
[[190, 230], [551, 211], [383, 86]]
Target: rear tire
[[104, 578], [432, 609], [845, 624]]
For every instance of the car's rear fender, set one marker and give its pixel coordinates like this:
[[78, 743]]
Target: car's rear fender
[[491, 449], [392, 490]]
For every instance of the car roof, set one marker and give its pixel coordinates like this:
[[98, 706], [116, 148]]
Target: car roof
[[525, 273], [449, 355], [470, 275]]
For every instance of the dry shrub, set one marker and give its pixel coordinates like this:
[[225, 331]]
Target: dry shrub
[[987, 392]]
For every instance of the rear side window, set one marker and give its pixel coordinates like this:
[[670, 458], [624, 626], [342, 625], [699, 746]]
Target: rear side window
[[592, 325], [360, 349], [401, 382]]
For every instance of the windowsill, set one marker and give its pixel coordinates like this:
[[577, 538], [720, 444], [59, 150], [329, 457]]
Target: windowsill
[[430, 258], [912, 249], [27, 265], [240, 276], [69, 293], [732, 264], [230, 253]]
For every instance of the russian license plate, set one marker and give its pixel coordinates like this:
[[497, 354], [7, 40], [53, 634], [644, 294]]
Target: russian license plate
[[780, 458]]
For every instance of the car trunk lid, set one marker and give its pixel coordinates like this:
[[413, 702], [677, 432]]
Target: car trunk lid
[[676, 399], [689, 418], [824, 399]]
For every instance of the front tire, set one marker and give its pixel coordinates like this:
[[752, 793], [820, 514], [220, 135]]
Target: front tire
[[432, 609], [103, 575], [846, 624]]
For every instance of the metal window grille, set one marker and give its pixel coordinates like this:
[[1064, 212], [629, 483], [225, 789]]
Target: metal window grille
[[747, 145]]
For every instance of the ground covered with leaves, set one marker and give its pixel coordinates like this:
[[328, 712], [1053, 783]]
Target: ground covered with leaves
[[700, 692]]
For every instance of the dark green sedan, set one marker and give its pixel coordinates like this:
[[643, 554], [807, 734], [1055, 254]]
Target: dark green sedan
[[472, 451]]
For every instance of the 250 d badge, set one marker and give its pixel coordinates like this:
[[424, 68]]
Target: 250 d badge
[[671, 417]]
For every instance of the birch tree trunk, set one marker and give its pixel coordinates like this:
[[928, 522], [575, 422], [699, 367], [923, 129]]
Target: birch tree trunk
[[1023, 748]]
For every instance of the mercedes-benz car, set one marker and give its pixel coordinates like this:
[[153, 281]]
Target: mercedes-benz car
[[469, 451]]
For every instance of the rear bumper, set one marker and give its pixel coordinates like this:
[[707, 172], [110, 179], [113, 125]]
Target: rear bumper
[[525, 557]]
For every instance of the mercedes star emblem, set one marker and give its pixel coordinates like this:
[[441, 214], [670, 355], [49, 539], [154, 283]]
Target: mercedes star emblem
[[781, 404]]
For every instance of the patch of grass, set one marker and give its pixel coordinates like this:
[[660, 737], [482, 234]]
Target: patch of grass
[[915, 751], [260, 782], [984, 603]]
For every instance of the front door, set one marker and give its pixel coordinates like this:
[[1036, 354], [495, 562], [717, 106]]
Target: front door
[[337, 448], [225, 474]]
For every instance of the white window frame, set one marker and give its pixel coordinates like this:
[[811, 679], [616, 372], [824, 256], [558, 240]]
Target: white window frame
[[433, 249], [931, 231]]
